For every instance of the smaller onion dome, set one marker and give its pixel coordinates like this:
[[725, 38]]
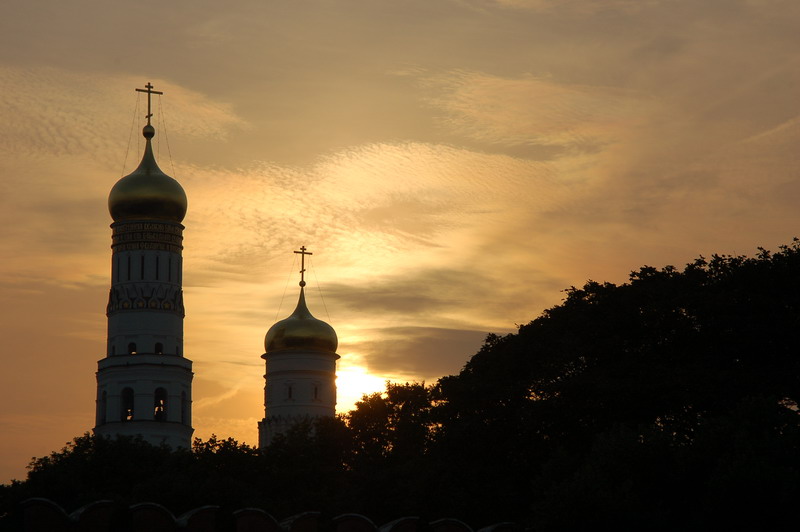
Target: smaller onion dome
[[147, 193], [301, 330]]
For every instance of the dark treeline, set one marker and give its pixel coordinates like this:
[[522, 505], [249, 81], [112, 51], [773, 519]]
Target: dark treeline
[[668, 402]]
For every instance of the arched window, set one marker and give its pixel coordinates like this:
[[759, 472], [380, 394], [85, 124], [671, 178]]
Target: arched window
[[159, 348], [177, 350], [126, 401], [113, 350], [184, 408], [132, 348], [289, 392], [316, 392], [160, 405], [101, 408]]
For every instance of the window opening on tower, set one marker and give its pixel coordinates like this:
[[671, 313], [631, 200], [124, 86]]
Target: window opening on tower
[[142, 269], [160, 405], [126, 401], [159, 348], [132, 348], [157, 267], [129, 267], [102, 407], [184, 408]]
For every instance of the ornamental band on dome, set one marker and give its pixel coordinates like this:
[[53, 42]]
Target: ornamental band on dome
[[147, 235]]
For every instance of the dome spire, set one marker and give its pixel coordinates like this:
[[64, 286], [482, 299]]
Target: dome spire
[[147, 193], [303, 254], [149, 90], [301, 330]]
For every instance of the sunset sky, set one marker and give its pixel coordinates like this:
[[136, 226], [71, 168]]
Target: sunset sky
[[452, 164]]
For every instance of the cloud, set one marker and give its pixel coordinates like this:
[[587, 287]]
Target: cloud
[[436, 295], [581, 6], [533, 110], [352, 210], [426, 352], [57, 112]]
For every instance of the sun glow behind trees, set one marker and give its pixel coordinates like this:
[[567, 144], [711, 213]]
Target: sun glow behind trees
[[352, 382]]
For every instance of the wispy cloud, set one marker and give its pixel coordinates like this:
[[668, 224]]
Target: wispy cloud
[[57, 112], [420, 352], [533, 110]]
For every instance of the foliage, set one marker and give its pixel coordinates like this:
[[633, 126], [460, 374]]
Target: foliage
[[666, 402]]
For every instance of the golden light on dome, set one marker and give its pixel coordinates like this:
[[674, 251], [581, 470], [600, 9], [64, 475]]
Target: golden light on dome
[[147, 193], [301, 330]]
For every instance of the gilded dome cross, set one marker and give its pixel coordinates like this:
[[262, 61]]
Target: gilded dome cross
[[149, 90], [303, 254]]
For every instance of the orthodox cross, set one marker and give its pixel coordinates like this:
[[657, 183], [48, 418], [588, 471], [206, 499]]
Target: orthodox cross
[[149, 90], [303, 254]]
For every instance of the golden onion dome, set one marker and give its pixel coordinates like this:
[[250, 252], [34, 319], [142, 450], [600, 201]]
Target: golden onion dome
[[147, 193], [301, 330]]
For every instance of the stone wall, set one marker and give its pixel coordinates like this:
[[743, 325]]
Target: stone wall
[[43, 515]]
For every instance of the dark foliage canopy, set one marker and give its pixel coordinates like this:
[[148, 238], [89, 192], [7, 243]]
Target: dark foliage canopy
[[667, 402]]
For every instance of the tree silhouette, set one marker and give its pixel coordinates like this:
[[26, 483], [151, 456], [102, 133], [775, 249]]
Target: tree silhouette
[[666, 402]]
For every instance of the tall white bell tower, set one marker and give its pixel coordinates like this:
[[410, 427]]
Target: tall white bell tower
[[300, 369], [144, 384]]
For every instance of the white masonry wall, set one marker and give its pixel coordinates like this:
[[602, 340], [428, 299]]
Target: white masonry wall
[[145, 338], [299, 385]]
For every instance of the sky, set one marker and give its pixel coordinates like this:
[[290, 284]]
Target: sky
[[453, 165]]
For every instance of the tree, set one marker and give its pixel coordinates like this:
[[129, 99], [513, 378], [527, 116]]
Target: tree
[[669, 401], [649, 361]]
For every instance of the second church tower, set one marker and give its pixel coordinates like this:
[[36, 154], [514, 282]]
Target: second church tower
[[300, 369]]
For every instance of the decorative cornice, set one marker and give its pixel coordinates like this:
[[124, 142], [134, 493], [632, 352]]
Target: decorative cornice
[[158, 236], [145, 296], [284, 372], [292, 353], [163, 362], [281, 419]]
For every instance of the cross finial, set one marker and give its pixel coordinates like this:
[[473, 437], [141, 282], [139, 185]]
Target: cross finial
[[303, 254], [149, 90]]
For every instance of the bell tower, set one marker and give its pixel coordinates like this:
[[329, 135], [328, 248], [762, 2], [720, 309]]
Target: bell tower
[[144, 383], [300, 369]]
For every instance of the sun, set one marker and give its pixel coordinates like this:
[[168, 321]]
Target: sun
[[352, 383]]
